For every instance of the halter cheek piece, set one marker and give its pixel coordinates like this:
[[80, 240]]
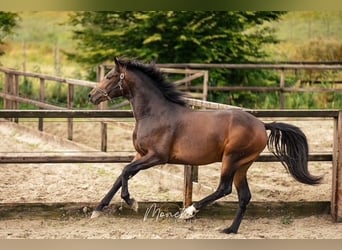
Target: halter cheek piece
[[119, 84]]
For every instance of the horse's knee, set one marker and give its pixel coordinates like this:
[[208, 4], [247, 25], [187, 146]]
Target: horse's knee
[[225, 188]]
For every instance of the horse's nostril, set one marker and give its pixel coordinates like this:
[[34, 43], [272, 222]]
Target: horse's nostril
[[89, 95]]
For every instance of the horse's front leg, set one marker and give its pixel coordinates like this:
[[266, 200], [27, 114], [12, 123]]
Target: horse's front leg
[[106, 200], [131, 169], [109, 196]]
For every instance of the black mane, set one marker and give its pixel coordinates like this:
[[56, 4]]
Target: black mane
[[166, 88]]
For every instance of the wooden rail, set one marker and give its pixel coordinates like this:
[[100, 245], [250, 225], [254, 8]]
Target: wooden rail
[[336, 156], [129, 114], [95, 157], [276, 66], [12, 99], [281, 67]]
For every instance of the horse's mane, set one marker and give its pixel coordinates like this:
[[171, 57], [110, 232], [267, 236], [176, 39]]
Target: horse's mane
[[167, 88]]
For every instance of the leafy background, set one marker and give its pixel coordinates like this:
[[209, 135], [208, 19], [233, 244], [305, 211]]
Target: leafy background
[[72, 44]]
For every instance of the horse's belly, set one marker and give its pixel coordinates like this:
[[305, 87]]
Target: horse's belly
[[195, 154]]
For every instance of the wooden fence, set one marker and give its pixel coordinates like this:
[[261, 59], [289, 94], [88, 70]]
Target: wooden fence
[[191, 71], [201, 70], [281, 68], [184, 83], [335, 157], [12, 99], [12, 96]]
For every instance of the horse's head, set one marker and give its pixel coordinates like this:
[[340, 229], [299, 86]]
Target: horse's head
[[111, 86]]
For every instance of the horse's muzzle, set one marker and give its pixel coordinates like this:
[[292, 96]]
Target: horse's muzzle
[[94, 97]]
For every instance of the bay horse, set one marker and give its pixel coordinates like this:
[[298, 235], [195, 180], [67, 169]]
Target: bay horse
[[168, 131]]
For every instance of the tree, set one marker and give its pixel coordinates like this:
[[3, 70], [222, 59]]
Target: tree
[[8, 21], [171, 36], [174, 37]]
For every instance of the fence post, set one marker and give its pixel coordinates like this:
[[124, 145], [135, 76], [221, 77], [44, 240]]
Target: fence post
[[100, 75], [70, 106], [8, 104], [41, 99], [282, 86], [336, 203], [205, 85], [103, 136], [16, 93], [4, 90], [188, 174]]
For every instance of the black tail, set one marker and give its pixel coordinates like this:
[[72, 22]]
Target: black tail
[[289, 144]]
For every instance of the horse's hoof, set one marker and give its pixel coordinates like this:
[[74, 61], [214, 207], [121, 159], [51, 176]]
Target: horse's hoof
[[135, 205], [229, 231], [95, 214], [188, 213]]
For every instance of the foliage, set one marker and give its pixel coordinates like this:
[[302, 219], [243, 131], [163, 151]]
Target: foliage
[[176, 37], [168, 37], [172, 36], [8, 21]]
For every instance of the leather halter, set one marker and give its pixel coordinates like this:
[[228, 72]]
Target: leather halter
[[119, 84]]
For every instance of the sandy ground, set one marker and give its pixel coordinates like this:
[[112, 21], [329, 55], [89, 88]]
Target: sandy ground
[[90, 182], [202, 228]]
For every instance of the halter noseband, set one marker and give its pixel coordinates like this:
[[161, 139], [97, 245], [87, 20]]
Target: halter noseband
[[119, 84]]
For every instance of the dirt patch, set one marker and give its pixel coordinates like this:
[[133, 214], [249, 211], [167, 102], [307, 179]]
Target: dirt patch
[[90, 182]]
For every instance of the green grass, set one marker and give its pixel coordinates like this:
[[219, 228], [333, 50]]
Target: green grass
[[39, 42], [300, 26], [302, 29]]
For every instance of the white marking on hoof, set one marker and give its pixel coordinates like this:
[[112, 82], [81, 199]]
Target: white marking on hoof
[[135, 205], [95, 214], [188, 213]]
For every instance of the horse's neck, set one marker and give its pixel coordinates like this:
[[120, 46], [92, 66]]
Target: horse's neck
[[147, 103]]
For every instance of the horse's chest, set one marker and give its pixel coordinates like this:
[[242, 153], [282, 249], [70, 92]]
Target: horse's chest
[[151, 137]]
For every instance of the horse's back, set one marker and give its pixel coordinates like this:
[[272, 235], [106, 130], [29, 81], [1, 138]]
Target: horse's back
[[202, 137]]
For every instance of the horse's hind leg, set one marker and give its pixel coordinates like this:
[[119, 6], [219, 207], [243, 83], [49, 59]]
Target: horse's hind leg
[[244, 194], [231, 172], [224, 188]]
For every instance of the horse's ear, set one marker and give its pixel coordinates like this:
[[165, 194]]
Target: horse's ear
[[117, 64]]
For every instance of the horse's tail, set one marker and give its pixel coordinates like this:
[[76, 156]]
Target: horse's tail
[[289, 144]]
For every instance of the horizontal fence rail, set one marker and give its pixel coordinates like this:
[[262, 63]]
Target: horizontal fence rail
[[48, 77], [129, 114], [107, 158], [282, 66], [93, 157]]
